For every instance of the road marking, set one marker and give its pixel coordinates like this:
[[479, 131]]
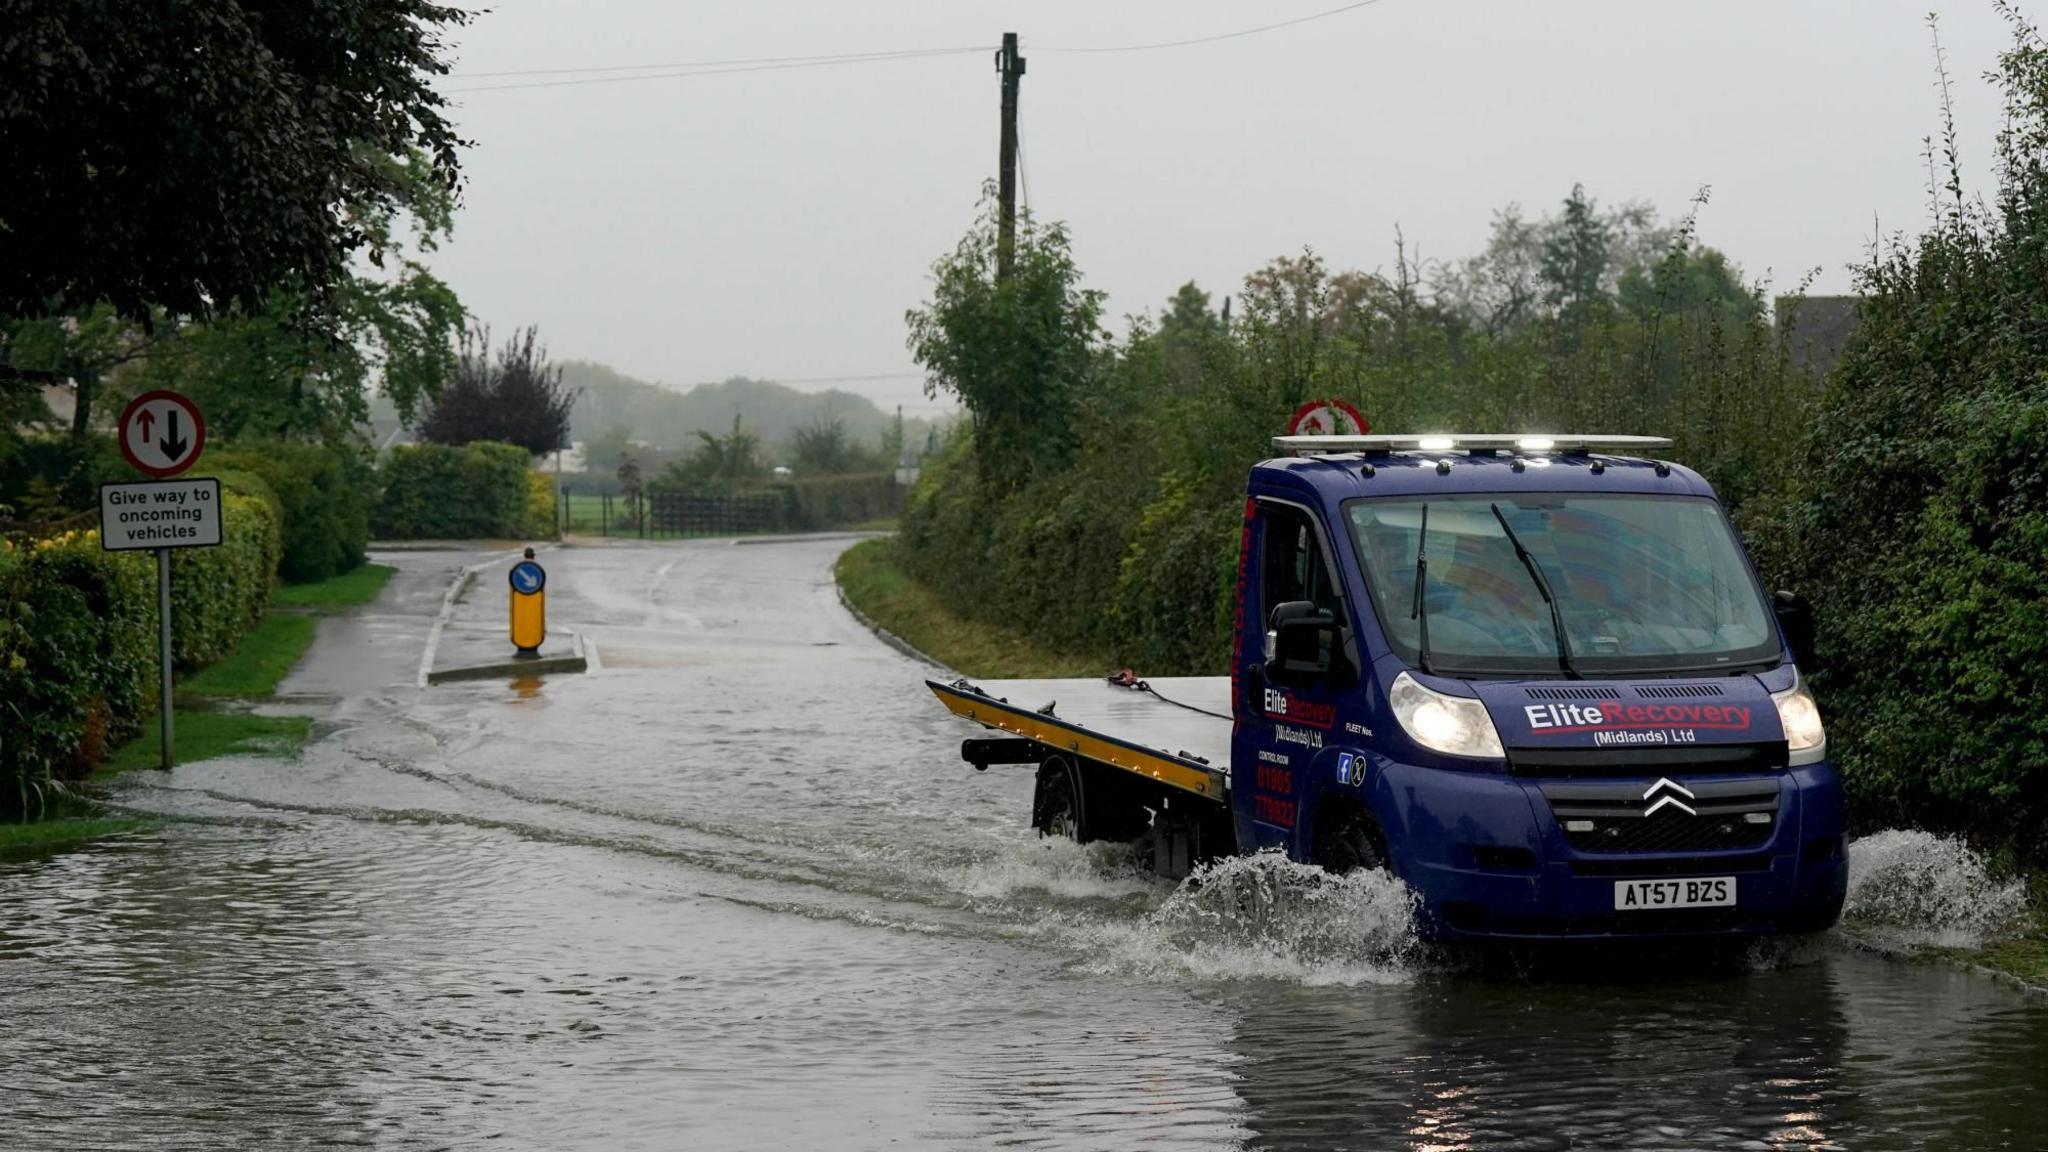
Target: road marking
[[660, 574], [655, 614]]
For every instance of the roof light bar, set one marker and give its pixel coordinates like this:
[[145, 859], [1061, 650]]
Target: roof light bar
[[1468, 442]]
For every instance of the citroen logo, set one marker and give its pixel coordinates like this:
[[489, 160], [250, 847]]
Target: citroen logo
[[1670, 791]]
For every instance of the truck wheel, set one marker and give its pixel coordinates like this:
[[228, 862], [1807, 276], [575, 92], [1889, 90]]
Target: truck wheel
[[1347, 839], [1056, 809]]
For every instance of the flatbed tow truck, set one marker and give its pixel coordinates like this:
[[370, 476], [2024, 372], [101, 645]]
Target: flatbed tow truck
[[1534, 677]]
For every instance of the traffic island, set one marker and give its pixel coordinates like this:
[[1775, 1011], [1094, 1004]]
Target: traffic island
[[471, 652]]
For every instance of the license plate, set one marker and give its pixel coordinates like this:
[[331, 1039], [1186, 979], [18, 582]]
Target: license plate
[[1703, 892]]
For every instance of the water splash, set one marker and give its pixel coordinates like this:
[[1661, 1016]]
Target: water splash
[[1058, 868], [1267, 917], [1909, 888]]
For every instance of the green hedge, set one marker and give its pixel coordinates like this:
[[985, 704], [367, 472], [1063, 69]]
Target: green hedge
[[540, 522], [78, 632], [324, 494], [218, 594], [77, 647], [836, 501], [438, 492], [1919, 530]]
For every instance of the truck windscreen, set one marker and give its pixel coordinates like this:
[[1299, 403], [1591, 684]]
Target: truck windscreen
[[1643, 583]]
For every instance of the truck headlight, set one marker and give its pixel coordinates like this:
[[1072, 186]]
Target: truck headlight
[[1805, 739], [1453, 725]]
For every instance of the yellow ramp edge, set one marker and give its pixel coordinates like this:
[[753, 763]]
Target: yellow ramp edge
[[1207, 782]]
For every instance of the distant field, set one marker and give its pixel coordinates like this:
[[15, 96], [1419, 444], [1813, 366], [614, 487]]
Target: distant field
[[589, 516]]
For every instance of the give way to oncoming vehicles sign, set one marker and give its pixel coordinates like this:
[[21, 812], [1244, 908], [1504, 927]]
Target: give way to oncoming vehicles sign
[[160, 514]]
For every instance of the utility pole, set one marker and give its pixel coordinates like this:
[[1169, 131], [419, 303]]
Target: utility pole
[[1011, 67]]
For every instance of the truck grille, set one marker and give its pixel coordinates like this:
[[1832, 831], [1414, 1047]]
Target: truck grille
[[1641, 867], [1665, 816]]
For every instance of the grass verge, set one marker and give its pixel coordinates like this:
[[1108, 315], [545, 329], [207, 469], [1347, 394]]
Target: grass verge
[[2024, 958], [2024, 955], [252, 671], [260, 660], [872, 581], [208, 735], [351, 589], [63, 832]]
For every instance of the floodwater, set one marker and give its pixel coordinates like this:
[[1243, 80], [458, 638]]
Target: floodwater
[[735, 890]]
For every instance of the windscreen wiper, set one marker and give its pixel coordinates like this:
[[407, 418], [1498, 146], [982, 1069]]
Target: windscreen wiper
[[1419, 611], [1564, 644]]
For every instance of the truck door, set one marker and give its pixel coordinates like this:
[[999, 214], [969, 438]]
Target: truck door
[[1288, 708]]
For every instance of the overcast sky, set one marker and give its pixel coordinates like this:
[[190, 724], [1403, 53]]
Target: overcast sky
[[778, 223]]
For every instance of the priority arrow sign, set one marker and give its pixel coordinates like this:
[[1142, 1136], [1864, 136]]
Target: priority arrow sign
[[161, 434]]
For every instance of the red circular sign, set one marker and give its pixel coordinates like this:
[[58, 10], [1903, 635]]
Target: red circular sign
[[1327, 418], [161, 434]]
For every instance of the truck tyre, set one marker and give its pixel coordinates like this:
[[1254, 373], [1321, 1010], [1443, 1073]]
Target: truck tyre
[[1056, 807], [1347, 839]]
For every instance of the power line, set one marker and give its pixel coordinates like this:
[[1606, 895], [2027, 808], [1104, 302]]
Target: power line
[[842, 379], [613, 73], [1219, 36], [816, 62], [687, 64]]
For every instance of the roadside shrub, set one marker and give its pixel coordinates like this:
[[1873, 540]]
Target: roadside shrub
[[943, 541], [47, 477], [540, 521], [324, 494], [1054, 549], [1919, 525], [1175, 586], [218, 594], [433, 491], [837, 501], [77, 647]]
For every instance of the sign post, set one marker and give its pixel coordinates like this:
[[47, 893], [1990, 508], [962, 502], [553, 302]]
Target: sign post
[[161, 434]]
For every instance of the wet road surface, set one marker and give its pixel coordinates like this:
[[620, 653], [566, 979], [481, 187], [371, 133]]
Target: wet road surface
[[735, 890]]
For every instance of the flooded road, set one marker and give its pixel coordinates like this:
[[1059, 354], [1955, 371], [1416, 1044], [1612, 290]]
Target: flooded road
[[734, 889]]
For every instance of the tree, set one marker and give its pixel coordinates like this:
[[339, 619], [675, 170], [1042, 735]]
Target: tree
[[1498, 291], [722, 462], [1016, 352], [1575, 259], [519, 399], [893, 441], [630, 486], [81, 348], [606, 450], [1529, 267], [177, 158], [1688, 281], [823, 448], [268, 372], [1189, 319]]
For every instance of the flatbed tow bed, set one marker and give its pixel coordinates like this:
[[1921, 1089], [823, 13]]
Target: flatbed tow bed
[[1175, 731]]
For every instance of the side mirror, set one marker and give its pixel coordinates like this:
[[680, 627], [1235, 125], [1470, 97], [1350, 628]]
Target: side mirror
[[1300, 639], [1795, 620]]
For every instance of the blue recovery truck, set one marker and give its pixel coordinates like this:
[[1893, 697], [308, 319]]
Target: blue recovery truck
[[1536, 678]]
